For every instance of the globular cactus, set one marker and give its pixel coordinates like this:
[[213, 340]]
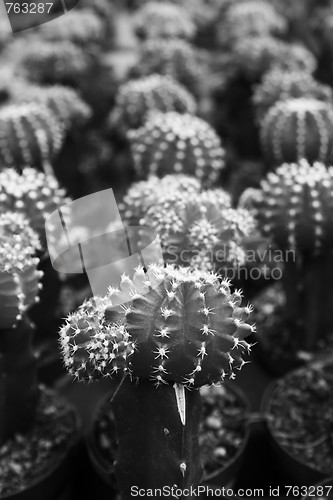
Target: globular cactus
[[173, 326], [33, 194], [144, 194], [254, 56], [19, 277], [64, 102], [81, 27], [163, 20], [295, 207], [280, 85], [175, 58], [175, 143], [30, 134], [200, 231], [136, 98], [296, 129], [51, 62], [250, 18]]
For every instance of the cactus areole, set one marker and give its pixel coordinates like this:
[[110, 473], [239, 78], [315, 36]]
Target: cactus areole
[[162, 332]]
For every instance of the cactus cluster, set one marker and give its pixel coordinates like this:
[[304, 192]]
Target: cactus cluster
[[280, 85], [136, 98], [81, 27], [33, 194], [30, 134], [175, 58], [254, 56], [177, 143], [173, 326], [296, 129], [64, 102], [144, 194], [200, 231], [295, 207], [250, 18], [19, 277], [163, 20]]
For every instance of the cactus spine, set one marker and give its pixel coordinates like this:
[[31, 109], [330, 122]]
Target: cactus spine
[[19, 286], [166, 329]]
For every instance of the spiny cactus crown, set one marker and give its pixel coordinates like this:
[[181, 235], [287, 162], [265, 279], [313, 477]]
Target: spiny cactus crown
[[254, 56], [82, 27], [253, 18], [51, 62], [31, 193], [175, 58], [280, 85], [163, 20], [137, 98], [174, 326], [295, 207], [63, 101], [144, 194], [296, 129], [200, 231], [177, 143], [19, 277], [30, 134]]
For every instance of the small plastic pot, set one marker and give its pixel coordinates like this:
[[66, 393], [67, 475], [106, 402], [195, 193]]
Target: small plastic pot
[[55, 484], [105, 483], [295, 471]]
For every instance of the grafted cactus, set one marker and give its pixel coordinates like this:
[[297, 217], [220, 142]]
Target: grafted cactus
[[175, 143], [19, 286], [81, 27], [165, 330], [294, 208], [30, 134], [136, 98], [296, 129], [51, 62], [254, 56], [175, 58], [201, 231], [280, 85], [33, 194], [63, 101], [163, 20], [144, 194], [250, 18]]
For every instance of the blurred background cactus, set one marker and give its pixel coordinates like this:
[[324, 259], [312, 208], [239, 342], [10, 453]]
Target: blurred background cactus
[[177, 143], [196, 335]]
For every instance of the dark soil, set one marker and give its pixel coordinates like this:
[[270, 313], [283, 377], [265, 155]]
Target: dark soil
[[222, 436], [300, 414], [26, 458]]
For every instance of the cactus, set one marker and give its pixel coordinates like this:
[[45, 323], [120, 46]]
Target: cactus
[[137, 98], [283, 85], [81, 27], [294, 208], [144, 194], [163, 20], [254, 56], [175, 58], [296, 129], [29, 135], [250, 18], [19, 286], [174, 329], [33, 194], [63, 101], [175, 143], [201, 231]]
